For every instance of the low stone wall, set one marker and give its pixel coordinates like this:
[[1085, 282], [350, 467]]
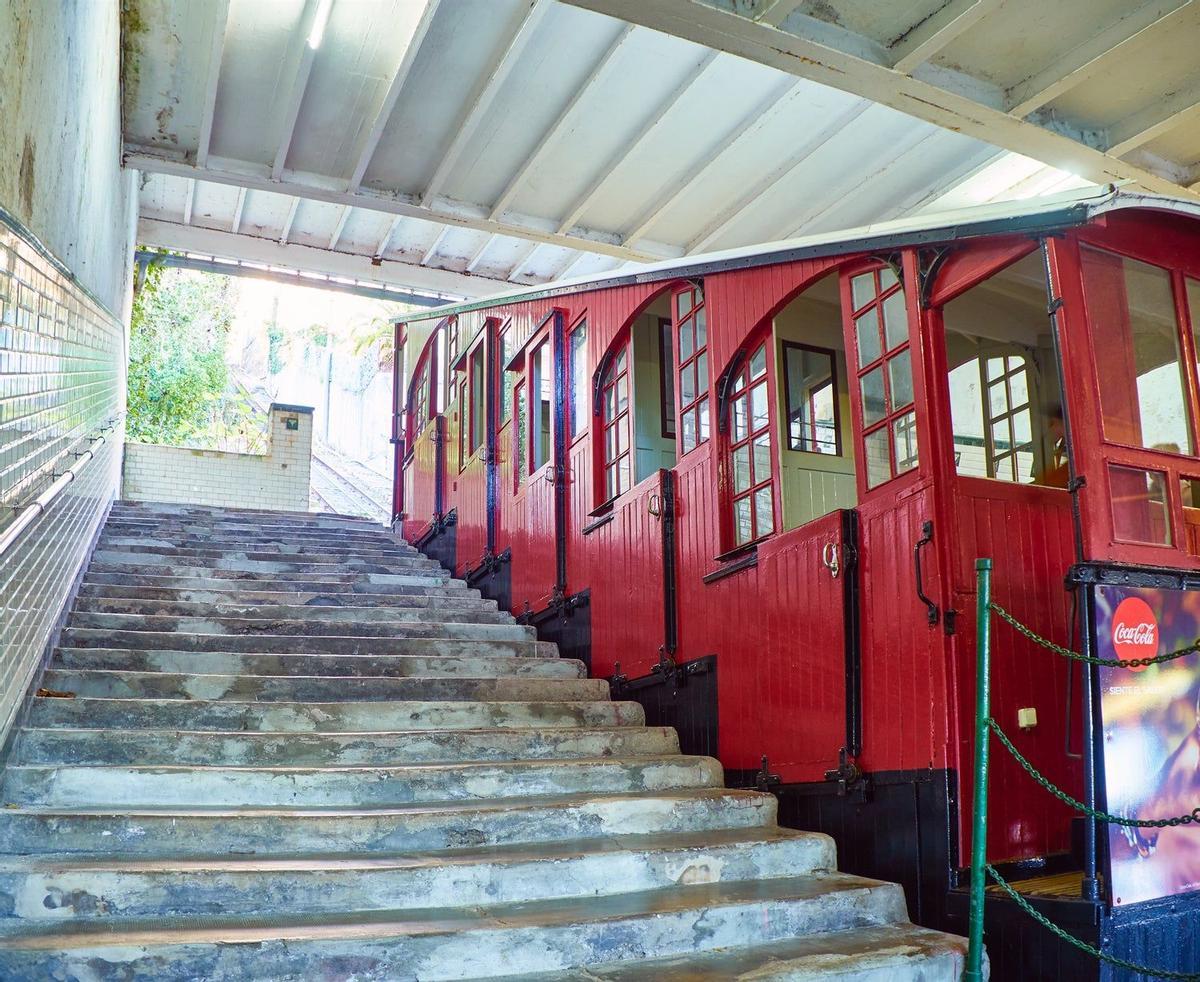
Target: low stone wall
[[278, 479]]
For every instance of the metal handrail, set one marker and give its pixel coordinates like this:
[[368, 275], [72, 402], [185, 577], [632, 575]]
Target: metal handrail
[[36, 508]]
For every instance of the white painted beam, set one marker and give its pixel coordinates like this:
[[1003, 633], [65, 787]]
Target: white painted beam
[[237, 211], [208, 109], [775, 12], [517, 37], [949, 22], [189, 203], [635, 143], [387, 236], [288, 222], [477, 256], [1155, 120], [703, 22], [762, 115], [339, 227], [437, 242], [365, 149], [725, 217], [316, 187], [1087, 60], [560, 126], [251, 248], [300, 62]]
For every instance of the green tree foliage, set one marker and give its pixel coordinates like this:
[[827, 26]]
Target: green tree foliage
[[177, 372]]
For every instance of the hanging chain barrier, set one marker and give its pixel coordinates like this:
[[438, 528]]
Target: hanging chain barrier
[[985, 727]]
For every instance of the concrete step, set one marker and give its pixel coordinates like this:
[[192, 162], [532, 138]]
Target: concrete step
[[157, 551], [483, 942], [104, 559], [239, 663], [122, 785], [310, 624], [318, 688], [891, 953], [91, 637], [176, 747], [238, 537], [273, 546], [329, 717], [461, 603], [230, 582], [64, 889], [168, 832], [481, 612], [148, 509]]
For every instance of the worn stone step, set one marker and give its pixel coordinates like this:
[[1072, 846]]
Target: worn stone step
[[249, 515], [239, 575], [180, 539], [174, 747], [92, 637], [318, 688], [91, 786], [890, 953], [460, 603], [58, 889], [312, 625], [113, 561], [483, 612], [159, 550], [244, 663], [486, 941], [237, 537], [329, 717], [230, 582], [164, 832]]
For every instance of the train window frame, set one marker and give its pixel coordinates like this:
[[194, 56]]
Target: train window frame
[[460, 389], [618, 367], [579, 380], [541, 430], [520, 433], [744, 379], [831, 354], [896, 419], [666, 377], [504, 385], [689, 315], [475, 406]]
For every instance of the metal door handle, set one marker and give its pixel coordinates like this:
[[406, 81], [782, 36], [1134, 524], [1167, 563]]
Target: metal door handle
[[654, 505], [930, 607], [832, 559]]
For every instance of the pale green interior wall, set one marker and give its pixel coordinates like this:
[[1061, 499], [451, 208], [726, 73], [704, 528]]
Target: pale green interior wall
[[814, 484], [652, 449]]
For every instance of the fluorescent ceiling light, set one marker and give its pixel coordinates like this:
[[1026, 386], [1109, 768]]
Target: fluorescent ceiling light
[[319, 22]]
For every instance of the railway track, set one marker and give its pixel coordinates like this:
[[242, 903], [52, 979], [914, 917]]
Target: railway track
[[342, 494]]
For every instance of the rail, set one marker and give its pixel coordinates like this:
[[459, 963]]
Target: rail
[[985, 728], [28, 514]]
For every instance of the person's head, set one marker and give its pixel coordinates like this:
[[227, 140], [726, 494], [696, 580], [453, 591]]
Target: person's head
[[1055, 425]]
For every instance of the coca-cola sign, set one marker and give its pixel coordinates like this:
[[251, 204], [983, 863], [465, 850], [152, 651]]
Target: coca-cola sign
[[1134, 631]]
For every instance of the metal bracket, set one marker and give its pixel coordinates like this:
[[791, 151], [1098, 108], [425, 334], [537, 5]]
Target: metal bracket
[[929, 264], [850, 779], [764, 780]]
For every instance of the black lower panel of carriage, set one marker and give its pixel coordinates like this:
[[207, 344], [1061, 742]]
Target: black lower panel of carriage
[[681, 695]]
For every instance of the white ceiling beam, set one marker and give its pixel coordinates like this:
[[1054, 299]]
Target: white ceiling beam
[[477, 255], [561, 125], [437, 242], [630, 147], [216, 53], [762, 115], [288, 222], [251, 248], [299, 68], [387, 236], [189, 203], [446, 211], [1086, 60], [775, 12], [517, 36], [940, 29], [811, 57], [724, 218], [238, 209], [1155, 120], [365, 149], [339, 227]]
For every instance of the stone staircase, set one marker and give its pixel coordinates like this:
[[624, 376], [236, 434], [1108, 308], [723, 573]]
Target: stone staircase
[[287, 746]]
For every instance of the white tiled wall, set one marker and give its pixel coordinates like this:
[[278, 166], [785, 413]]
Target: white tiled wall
[[278, 480], [62, 378]]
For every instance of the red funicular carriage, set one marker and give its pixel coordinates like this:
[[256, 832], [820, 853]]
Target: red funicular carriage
[[751, 487]]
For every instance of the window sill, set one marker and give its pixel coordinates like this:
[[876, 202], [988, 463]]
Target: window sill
[[605, 508], [734, 561], [598, 523]]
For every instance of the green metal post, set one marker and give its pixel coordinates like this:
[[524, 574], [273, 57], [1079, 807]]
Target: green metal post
[[983, 641]]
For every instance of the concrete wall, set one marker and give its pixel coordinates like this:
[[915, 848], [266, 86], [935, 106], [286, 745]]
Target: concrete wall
[[279, 479], [67, 219]]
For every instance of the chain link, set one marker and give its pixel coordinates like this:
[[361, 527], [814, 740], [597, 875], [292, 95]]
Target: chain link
[[1083, 945], [1058, 649], [1141, 823]]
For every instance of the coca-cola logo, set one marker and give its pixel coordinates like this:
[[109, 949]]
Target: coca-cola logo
[[1134, 631]]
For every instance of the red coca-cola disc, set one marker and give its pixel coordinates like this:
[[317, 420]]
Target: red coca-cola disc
[[1134, 631]]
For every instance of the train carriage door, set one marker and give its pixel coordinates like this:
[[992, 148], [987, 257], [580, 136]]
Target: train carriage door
[[423, 469]]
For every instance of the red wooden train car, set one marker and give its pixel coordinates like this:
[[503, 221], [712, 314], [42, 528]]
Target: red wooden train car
[[750, 489]]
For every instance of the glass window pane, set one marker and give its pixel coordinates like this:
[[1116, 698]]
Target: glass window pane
[[742, 529], [997, 398], [995, 368], [701, 327], [1022, 426], [878, 455], [702, 420], [741, 418], [887, 279], [1193, 300], [623, 435], [874, 407], [764, 518], [762, 457], [895, 320], [702, 372], [687, 383], [619, 362], [622, 394], [811, 411], [579, 380], [1131, 307], [904, 436], [1018, 385], [866, 330], [685, 340], [900, 377], [758, 406], [741, 468], [522, 434], [689, 431], [625, 477], [863, 289], [1139, 505], [1001, 438], [684, 303], [758, 362]]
